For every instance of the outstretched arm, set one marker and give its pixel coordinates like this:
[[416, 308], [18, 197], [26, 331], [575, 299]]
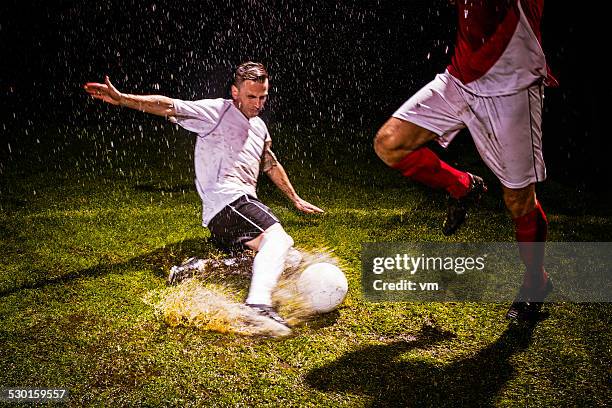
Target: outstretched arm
[[279, 177], [155, 104]]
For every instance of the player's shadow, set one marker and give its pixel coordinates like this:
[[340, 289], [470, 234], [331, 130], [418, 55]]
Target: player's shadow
[[389, 375], [158, 261]]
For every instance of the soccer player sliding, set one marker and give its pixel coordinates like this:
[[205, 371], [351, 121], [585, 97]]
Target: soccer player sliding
[[232, 145]]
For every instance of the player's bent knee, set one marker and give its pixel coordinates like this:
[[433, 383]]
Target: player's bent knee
[[387, 145], [383, 140], [397, 138]]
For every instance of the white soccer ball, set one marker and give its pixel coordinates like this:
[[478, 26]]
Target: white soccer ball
[[323, 286]]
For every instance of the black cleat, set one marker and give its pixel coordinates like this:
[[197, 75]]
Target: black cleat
[[528, 304], [519, 306], [456, 212], [186, 270], [269, 312]]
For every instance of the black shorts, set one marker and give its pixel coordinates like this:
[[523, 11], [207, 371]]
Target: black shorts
[[239, 222]]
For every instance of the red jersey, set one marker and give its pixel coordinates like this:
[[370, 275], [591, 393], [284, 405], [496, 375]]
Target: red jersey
[[498, 49]]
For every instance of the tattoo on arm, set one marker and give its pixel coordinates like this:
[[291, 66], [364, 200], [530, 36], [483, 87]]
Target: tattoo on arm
[[268, 160]]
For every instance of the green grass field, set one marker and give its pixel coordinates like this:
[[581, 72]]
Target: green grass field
[[91, 221]]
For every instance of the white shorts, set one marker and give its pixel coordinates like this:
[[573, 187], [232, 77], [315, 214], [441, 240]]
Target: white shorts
[[506, 129]]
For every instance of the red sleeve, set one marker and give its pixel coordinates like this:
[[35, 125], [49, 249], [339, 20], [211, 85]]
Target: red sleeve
[[533, 11]]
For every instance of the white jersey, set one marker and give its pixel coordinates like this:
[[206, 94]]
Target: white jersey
[[228, 150]]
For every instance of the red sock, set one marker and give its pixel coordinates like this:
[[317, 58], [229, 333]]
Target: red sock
[[531, 230], [424, 166]]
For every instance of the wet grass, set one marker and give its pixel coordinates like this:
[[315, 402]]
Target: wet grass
[[87, 230]]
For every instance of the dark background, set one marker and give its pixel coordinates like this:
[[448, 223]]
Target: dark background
[[344, 66]]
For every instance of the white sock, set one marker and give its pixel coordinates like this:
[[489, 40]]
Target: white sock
[[268, 264]]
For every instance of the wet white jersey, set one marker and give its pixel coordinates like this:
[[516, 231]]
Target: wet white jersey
[[228, 150]]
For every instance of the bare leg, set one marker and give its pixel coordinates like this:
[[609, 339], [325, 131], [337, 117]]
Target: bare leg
[[397, 138], [520, 201], [400, 144]]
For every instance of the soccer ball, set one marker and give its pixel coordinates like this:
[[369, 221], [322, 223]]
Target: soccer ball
[[323, 286]]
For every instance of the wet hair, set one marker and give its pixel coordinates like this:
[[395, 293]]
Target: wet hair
[[250, 71]]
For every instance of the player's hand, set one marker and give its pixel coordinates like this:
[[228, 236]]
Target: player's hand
[[306, 207], [106, 91]]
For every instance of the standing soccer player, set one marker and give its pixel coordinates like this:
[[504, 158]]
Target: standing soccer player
[[494, 87], [233, 143]]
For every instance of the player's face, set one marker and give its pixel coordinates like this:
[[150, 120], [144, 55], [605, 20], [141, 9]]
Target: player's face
[[251, 97]]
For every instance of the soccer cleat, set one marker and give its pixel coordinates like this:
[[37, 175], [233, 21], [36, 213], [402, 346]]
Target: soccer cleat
[[527, 303], [518, 306], [269, 312], [186, 270], [456, 212]]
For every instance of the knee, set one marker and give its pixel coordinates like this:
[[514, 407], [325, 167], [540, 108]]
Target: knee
[[386, 145], [520, 202], [398, 138]]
